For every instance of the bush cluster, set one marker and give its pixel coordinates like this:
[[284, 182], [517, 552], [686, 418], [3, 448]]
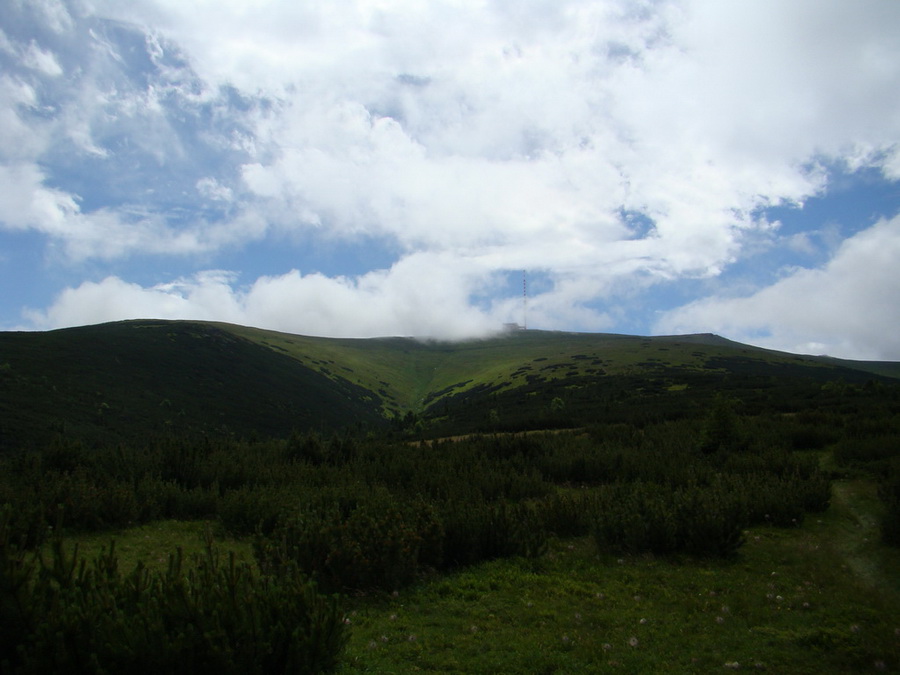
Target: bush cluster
[[367, 543], [644, 517], [347, 514], [64, 615], [361, 514]]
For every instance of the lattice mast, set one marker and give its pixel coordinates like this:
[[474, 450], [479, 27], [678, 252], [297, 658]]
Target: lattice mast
[[524, 301]]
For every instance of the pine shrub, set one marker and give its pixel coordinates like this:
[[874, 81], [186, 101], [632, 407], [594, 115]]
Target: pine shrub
[[650, 518], [64, 615], [369, 544]]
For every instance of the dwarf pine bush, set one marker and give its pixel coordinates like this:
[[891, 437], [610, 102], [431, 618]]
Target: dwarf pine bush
[[372, 514], [647, 517], [65, 615], [373, 543], [481, 530]]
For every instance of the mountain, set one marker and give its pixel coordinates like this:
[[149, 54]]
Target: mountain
[[133, 379]]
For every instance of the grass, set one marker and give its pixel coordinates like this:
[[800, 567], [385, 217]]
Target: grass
[[152, 543], [856, 537], [410, 369], [792, 602], [819, 598]]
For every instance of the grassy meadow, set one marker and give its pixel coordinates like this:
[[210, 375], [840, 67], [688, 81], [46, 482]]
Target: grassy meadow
[[822, 597], [792, 602]]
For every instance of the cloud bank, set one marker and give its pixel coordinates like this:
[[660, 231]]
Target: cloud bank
[[849, 302], [415, 294]]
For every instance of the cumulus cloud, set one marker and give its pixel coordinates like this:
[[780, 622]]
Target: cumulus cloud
[[54, 13], [845, 308], [210, 188], [39, 59], [450, 127], [609, 144], [103, 128], [422, 295], [27, 204]]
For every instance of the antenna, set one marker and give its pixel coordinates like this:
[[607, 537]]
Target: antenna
[[524, 301]]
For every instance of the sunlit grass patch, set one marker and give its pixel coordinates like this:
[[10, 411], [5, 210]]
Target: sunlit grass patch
[[152, 543], [786, 604]]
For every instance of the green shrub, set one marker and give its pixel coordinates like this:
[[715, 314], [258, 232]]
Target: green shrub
[[721, 429], [480, 530], [373, 544], [249, 510], [650, 518], [874, 452], [67, 616], [569, 513], [778, 500]]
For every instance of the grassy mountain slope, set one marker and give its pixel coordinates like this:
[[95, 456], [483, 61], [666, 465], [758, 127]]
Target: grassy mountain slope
[[415, 374], [142, 377], [136, 378], [541, 379]]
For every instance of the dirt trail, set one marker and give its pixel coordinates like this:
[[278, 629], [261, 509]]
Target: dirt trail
[[532, 432], [857, 536]]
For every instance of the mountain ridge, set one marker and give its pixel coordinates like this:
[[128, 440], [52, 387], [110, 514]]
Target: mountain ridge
[[147, 376]]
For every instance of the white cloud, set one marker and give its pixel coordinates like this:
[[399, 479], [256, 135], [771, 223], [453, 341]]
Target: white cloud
[[422, 295], [41, 60], [847, 308], [53, 13], [455, 125], [892, 163], [480, 137], [502, 138], [26, 203], [211, 189], [19, 140], [6, 44]]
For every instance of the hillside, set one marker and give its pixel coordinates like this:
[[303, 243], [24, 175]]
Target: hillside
[[130, 379]]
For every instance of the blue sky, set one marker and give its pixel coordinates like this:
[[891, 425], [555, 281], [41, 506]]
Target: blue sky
[[390, 167]]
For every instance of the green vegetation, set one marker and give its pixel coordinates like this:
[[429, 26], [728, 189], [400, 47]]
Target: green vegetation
[[211, 615], [788, 604], [151, 544], [695, 505], [131, 380], [138, 379]]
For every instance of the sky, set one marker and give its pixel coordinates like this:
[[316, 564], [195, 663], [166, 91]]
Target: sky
[[359, 168]]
